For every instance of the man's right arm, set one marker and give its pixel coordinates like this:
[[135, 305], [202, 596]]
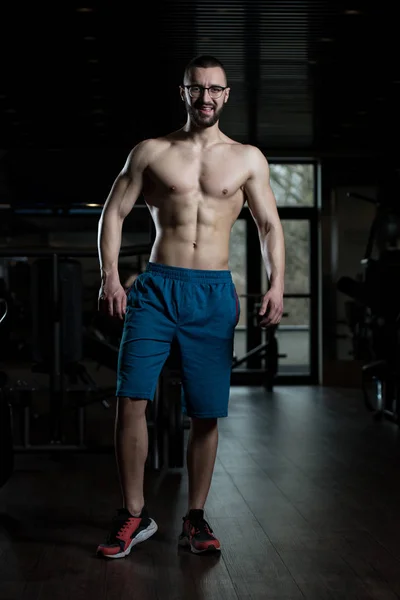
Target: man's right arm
[[120, 201]]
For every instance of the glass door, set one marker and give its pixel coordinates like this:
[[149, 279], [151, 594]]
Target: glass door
[[294, 186], [297, 332]]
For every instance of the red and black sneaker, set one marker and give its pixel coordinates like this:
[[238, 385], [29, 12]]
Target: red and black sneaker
[[126, 531], [197, 533]]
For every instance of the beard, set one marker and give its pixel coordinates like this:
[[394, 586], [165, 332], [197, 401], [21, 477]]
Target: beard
[[201, 120]]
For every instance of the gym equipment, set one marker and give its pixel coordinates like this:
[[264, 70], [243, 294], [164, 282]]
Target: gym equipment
[[56, 287], [6, 435], [3, 302], [374, 313], [268, 350], [60, 339]]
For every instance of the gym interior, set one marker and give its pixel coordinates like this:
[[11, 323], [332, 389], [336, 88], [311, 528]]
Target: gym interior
[[306, 490]]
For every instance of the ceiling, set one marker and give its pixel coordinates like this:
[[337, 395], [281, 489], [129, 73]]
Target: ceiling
[[82, 84]]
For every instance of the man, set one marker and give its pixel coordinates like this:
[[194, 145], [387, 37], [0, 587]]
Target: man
[[195, 182]]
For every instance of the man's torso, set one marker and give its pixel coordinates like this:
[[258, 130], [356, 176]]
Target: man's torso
[[194, 195]]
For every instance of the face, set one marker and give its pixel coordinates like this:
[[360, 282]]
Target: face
[[202, 105]]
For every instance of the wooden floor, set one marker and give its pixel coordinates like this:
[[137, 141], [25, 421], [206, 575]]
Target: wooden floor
[[305, 500]]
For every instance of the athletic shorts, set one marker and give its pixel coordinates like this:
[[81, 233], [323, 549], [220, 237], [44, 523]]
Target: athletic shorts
[[199, 309]]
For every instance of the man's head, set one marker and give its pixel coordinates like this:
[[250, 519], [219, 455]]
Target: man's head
[[205, 90]]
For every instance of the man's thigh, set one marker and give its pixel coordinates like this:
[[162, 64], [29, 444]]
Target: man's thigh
[[206, 344], [206, 377], [145, 344]]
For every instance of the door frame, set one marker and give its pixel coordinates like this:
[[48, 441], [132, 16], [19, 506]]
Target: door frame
[[309, 214], [254, 264]]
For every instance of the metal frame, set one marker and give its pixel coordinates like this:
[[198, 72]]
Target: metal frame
[[309, 214], [57, 390]]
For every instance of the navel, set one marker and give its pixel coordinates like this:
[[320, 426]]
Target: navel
[[172, 188], [225, 191]]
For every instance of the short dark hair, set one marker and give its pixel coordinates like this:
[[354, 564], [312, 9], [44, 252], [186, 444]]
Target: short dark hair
[[204, 61]]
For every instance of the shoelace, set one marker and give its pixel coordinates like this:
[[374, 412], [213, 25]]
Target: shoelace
[[118, 529], [202, 526]]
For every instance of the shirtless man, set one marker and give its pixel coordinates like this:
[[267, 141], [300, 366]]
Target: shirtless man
[[195, 182]]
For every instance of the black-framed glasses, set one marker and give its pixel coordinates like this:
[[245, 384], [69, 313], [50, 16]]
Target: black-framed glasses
[[195, 91]]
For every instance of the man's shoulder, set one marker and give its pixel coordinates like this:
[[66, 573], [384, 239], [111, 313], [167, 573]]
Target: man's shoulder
[[248, 151], [148, 145], [144, 151]]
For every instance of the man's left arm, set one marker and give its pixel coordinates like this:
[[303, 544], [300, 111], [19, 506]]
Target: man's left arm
[[262, 205]]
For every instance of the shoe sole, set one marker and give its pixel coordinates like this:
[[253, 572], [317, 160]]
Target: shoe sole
[[185, 543], [141, 537]]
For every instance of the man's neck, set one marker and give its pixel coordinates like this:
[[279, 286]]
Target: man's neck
[[202, 135]]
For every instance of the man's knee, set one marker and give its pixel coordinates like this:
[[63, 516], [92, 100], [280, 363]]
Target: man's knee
[[203, 425], [129, 409]]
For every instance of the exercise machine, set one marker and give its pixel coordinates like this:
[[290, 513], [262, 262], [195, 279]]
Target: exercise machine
[[60, 342], [374, 313], [56, 343], [268, 350], [6, 435]]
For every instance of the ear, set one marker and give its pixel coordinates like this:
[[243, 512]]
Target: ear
[[227, 94], [182, 92]]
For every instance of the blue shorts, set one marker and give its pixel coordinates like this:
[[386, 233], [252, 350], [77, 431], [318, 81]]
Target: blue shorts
[[197, 308]]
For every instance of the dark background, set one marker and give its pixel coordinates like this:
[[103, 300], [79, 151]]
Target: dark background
[[81, 84]]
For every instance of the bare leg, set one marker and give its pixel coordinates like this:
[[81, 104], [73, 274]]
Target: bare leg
[[201, 454], [131, 448]]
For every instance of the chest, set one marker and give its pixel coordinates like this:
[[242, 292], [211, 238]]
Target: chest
[[183, 174]]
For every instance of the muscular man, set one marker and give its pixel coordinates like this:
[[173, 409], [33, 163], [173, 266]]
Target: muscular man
[[195, 182]]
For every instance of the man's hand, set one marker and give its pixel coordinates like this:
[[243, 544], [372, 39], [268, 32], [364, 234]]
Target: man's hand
[[271, 308], [112, 298]]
